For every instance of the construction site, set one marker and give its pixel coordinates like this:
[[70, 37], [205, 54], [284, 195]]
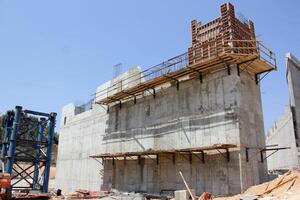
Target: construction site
[[191, 127]]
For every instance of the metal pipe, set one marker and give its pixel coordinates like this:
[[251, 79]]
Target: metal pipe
[[36, 113], [5, 136], [38, 153], [12, 143], [49, 152]]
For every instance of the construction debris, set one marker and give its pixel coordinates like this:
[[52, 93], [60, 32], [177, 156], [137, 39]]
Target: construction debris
[[187, 187], [113, 194], [206, 196], [285, 187], [83, 194], [24, 195]]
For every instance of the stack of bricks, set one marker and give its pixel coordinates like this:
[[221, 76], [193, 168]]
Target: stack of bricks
[[213, 38]]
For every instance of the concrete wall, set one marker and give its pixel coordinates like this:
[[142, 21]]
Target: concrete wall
[[282, 134], [293, 76], [286, 130], [79, 138], [216, 175], [128, 79], [196, 115], [223, 109]]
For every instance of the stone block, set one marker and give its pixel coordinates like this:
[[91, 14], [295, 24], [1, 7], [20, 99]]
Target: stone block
[[184, 194]]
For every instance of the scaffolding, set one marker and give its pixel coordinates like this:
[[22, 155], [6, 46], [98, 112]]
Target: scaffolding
[[199, 152], [250, 56], [216, 45], [27, 148]]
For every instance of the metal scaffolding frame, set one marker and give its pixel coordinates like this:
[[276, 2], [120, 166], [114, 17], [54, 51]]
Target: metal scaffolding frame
[[27, 148]]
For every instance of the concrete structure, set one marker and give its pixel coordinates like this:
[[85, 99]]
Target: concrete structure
[[211, 38], [285, 131], [182, 114], [222, 109]]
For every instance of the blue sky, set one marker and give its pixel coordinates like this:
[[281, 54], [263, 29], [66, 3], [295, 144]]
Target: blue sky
[[56, 52]]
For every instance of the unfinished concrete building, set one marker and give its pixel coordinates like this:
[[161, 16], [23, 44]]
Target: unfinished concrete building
[[199, 113], [285, 131]]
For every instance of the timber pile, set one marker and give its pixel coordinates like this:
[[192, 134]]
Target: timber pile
[[285, 187]]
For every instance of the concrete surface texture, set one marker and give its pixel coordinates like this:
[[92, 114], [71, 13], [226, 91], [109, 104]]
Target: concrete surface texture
[[80, 137], [223, 109], [293, 75], [285, 132]]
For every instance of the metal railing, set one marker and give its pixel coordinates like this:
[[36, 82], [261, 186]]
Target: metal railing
[[231, 47], [166, 67]]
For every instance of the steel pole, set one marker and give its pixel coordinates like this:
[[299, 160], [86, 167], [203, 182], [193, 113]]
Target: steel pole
[[12, 142], [38, 153], [5, 135], [49, 152]]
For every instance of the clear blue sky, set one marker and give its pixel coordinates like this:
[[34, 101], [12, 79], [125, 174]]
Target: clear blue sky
[[56, 52]]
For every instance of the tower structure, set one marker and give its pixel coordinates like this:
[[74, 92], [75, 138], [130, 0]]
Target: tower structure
[[27, 147]]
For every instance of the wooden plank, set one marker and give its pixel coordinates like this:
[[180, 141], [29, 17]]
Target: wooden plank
[[168, 151]]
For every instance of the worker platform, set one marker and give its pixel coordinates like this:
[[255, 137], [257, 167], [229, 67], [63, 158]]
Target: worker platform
[[249, 56], [199, 152]]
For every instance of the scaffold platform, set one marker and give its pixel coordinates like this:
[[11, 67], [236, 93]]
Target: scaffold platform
[[248, 55]]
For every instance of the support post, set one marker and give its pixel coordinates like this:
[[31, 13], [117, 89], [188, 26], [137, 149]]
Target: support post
[[6, 134], [228, 70], [261, 156], [12, 142], [203, 157], [201, 77], [256, 79], [139, 159], [247, 154], [154, 93], [238, 70], [49, 152], [157, 159], [174, 158], [177, 85], [227, 155], [38, 153]]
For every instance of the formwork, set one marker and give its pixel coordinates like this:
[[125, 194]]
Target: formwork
[[215, 45]]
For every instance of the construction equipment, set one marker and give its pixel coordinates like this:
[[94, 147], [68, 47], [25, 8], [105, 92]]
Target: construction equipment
[[26, 151], [5, 183]]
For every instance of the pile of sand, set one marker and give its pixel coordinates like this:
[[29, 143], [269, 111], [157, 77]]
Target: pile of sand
[[285, 187]]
